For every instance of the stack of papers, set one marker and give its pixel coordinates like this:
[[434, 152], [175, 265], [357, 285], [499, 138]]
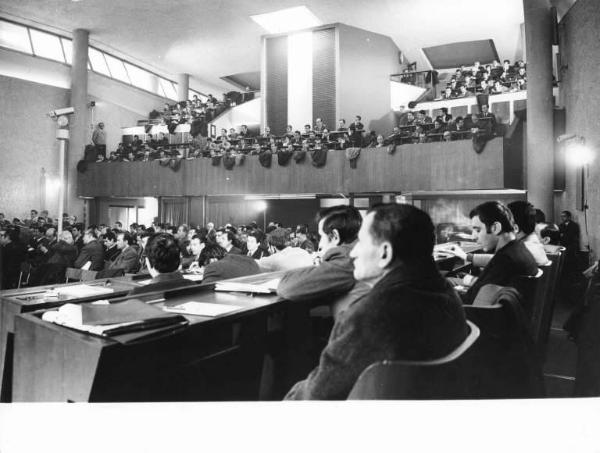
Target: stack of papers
[[257, 286], [112, 319], [77, 291], [202, 309]]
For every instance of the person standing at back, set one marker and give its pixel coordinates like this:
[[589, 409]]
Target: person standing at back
[[99, 139]]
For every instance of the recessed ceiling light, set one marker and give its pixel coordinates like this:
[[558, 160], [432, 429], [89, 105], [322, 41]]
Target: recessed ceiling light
[[285, 20]]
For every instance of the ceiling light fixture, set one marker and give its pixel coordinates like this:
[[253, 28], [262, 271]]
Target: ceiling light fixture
[[285, 20]]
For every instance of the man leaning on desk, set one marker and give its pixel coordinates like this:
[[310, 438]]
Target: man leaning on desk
[[410, 312], [163, 260]]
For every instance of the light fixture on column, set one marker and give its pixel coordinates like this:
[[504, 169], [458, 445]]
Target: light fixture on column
[[579, 156]]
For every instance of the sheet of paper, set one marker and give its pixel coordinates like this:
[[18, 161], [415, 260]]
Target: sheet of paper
[[193, 277], [269, 286], [201, 309], [84, 290]]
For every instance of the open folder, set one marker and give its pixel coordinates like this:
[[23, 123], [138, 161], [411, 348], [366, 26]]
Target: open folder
[[114, 320], [254, 285]]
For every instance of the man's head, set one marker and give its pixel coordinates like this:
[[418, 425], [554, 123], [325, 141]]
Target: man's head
[[392, 234], [490, 220], [110, 239], [89, 235], [338, 225], [485, 108], [50, 232], [253, 241], [124, 240], [279, 238], [225, 238], [118, 225], [162, 254], [565, 216], [100, 125], [524, 216], [66, 236], [211, 253], [550, 235], [33, 214], [182, 231], [302, 232], [196, 245], [342, 122]]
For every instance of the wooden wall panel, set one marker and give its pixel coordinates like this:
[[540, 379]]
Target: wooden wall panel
[[431, 166]]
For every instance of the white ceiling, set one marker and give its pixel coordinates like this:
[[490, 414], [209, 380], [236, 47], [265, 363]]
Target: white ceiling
[[214, 38]]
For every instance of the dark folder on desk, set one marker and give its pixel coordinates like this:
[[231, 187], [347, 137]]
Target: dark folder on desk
[[133, 319]]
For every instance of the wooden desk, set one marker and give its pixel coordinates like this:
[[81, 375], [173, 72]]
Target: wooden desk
[[24, 300], [212, 359]]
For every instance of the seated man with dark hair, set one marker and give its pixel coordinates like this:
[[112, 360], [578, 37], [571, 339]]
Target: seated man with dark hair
[[410, 313], [226, 239], [162, 260], [333, 278], [302, 238], [92, 252], [220, 265], [494, 226], [285, 257], [127, 259]]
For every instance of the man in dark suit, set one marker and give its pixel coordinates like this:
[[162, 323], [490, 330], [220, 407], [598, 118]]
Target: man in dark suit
[[226, 239], [127, 259], [356, 130], [333, 279], [92, 251], [162, 260], [569, 231], [494, 226], [220, 265], [110, 242], [410, 313]]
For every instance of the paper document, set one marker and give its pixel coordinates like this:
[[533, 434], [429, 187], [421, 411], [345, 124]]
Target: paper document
[[193, 277], [201, 309], [265, 287], [83, 291]]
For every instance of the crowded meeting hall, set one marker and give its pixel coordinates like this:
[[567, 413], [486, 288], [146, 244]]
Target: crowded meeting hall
[[282, 202]]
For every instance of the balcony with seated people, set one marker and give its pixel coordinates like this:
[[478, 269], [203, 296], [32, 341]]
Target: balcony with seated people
[[310, 162]]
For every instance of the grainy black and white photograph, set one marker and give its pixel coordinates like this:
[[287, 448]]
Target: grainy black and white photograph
[[271, 225]]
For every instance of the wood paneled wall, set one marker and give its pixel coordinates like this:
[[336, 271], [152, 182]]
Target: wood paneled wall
[[431, 166]]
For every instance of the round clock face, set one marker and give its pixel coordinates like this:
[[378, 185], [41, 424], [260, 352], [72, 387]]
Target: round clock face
[[62, 121]]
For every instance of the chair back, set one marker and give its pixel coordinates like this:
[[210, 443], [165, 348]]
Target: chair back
[[528, 285], [505, 360], [24, 273], [79, 275], [72, 273], [543, 308], [443, 378]]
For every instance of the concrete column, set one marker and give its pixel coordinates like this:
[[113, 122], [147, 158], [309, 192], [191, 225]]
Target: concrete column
[[540, 116], [79, 127], [183, 86]]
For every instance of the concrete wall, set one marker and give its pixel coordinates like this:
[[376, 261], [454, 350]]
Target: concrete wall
[[28, 145], [247, 113], [28, 142], [580, 50], [366, 61]]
